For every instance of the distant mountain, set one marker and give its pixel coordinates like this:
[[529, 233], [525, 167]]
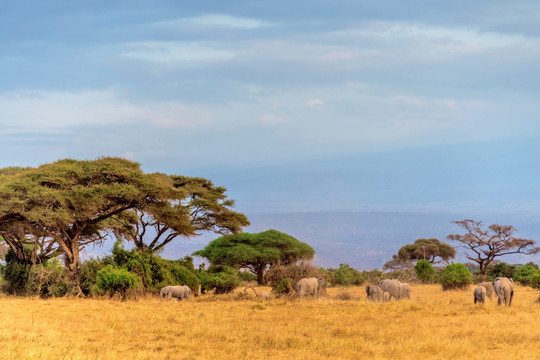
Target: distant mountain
[[364, 240]]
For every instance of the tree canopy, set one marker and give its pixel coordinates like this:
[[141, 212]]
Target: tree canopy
[[59, 208], [256, 251], [484, 246], [196, 206], [427, 249]]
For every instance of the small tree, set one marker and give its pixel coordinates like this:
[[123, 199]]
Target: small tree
[[425, 272], [256, 252], [455, 276], [432, 250], [526, 274], [484, 246]]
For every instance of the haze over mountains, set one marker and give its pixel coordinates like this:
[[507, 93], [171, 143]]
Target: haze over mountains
[[361, 210]]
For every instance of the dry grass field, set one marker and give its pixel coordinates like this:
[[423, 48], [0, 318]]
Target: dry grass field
[[433, 325]]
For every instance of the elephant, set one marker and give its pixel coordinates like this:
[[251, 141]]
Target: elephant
[[480, 294], [489, 289], [393, 287], [405, 291], [262, 294], [178, 292], [187, 292], [374, 293], [310, 286], [386, 296], [504, 288]]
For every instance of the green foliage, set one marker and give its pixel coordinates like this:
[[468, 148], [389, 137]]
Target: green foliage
[[284, 287], [111, 279], [425, 272], [372, 276], [455, 276], [221, 279], [247, 276], [427, 249], [16, 277], [180, 273], [346, 276], [89, 270], [49, 280], [526, 274], [501, 269], [256, 251]]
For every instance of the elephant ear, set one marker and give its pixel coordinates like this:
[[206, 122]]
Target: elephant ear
[[320, 282]]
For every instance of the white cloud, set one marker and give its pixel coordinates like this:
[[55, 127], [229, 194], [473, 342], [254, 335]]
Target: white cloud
[[221, 20], [167, 52], [53, 111]]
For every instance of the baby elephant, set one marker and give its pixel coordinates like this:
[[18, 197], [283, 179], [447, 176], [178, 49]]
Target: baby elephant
[[480, 294], [180, 292]]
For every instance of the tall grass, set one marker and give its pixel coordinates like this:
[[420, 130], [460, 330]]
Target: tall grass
[[343, 325]]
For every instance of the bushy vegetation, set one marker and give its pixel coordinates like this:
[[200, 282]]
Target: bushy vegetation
[[112, 279], [220, 278], [501, 269], [425, 272], [282, 278], [346, 276], [455, 276], [528, 275]]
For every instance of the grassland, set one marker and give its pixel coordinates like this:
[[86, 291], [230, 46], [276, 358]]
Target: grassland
[[433, 325]]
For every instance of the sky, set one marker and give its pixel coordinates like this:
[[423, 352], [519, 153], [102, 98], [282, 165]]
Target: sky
[[371, 93]]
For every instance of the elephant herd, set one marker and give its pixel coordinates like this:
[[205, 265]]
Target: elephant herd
[[503, 287], [385, 290]]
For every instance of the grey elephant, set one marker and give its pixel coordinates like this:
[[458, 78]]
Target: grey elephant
[[374, 293], [504, 288], [480, 294], [187, 292], [489, 289], [311, 286], [405, 291], [170, 292], [386, 296], [393, 287]]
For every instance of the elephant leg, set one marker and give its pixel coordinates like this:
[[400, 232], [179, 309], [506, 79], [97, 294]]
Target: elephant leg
[[511, 297], [169, 296]]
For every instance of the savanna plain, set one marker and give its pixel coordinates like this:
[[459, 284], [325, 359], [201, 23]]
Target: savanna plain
[[342, 325]]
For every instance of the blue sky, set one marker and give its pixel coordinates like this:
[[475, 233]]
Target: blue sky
[[208, 87]]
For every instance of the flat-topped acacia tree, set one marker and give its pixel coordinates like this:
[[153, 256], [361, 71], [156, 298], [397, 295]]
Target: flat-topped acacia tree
[[70, 203], [484, 246], [256, 251], [197, 206]]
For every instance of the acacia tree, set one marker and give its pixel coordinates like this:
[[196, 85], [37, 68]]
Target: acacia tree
[[196, 206], [484, 246], [427, 249], [255, 252], [70, 203]]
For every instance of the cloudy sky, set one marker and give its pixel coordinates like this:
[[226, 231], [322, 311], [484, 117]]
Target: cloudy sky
[[182, 86]]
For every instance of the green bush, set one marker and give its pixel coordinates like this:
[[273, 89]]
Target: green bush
[[501, 269], [111, 280], [425, 272], [526, 274], [346, 276], [222, 279], [247, 276], [372, 276], [49, 280], [15, 277], [89, 270], [180, 274], [455, 276]]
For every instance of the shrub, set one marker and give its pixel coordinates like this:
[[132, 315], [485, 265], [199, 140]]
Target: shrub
[[455, 276], [247, 276], [293, 272], [15, 278], [501, 269], [180, 274], [425, 272], [49, 280], [346, 276], [220, 278], [372, 276], [111, 280], [525, 274]]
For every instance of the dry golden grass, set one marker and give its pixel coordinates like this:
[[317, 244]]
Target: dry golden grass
[[433, 325]]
